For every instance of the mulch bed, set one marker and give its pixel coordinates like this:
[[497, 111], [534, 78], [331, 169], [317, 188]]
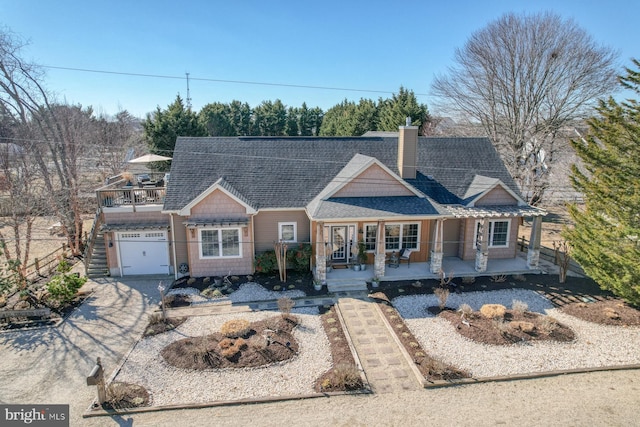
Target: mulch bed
[[251, 350], [271, 282], [343, 375], [432, 369], [515, 327], [157, 325], [575, 289], [608, 312], [58, 314], [121, 395]]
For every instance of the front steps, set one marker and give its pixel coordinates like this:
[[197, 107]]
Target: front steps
[[343, 285]]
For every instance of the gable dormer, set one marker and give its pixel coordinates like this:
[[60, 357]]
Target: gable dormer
[[486, 191]]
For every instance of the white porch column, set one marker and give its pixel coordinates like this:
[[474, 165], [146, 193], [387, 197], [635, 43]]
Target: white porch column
[[321, 253], [482, 246], [533, 251], [436, 252], [380, 256]]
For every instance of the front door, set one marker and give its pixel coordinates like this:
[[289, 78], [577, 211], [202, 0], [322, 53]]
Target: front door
[[341, 237], [339, 244]]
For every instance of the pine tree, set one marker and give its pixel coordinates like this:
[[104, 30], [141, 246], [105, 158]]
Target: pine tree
[[606, 237], [393, 112], [163, 127]]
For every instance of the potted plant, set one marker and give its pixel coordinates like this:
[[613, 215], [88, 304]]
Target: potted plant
[[317, 284], [375, 282], [128, 179], [362, 255]]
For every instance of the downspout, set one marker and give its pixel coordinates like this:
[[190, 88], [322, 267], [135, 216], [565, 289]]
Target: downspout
[[173, 248], [253, 242]]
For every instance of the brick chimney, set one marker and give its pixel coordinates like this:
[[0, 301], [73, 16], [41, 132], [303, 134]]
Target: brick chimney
[[408, 150]]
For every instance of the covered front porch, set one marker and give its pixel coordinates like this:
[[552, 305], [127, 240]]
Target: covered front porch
[[421, 270]]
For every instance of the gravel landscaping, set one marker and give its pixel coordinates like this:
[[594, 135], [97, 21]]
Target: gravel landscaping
[[168, 385], [595, 345]]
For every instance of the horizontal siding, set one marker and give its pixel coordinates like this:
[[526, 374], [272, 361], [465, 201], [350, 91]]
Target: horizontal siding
[[135, 217], [266, 227], [468, 247]]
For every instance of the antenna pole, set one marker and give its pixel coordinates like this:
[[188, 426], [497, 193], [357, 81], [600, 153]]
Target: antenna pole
[[188, 94]]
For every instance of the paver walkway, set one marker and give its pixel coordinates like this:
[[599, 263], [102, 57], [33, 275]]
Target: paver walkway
[[384, 364]]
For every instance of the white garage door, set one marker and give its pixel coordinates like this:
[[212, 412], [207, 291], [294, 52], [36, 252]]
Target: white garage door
[[144, 252]]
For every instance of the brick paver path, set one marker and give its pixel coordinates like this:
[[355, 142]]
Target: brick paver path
[[384, 364]]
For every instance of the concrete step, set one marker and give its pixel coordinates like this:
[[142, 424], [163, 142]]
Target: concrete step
[[343, 286]]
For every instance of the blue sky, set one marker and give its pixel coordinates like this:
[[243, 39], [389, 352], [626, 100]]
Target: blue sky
[[366, 45]]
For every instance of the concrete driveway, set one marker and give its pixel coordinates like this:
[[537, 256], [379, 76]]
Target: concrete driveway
[[50, 366]]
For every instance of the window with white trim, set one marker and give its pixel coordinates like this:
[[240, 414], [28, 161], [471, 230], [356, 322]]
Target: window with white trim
[[288, 231], [498, 233], [220, 243], [397, 236]]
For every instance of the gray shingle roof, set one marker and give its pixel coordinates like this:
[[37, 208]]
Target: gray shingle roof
[[375, 207], [288, 172]]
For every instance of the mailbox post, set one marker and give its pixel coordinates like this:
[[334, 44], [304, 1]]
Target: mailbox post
[[96, 377], [161, 288]]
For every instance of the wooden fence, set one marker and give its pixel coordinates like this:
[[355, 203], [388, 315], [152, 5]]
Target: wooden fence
[[551, 255], [46, 265]]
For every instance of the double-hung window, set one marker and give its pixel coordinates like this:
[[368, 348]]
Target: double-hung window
[[220, 243], [397, 236], [498, 236]]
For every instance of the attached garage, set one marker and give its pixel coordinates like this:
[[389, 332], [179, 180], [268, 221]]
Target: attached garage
[[143, 252]]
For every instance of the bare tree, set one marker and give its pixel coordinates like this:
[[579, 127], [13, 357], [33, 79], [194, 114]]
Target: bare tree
[[523, 78], [48, 131], [21, 199], [114, 137]]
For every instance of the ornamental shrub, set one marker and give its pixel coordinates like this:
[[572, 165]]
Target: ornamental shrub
[[266, 262], [235, 328], [64, 286]]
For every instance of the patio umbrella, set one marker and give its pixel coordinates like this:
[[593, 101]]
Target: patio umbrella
[[149, 158]]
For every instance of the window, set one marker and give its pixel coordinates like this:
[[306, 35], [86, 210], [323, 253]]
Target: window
[[498, 233], [397, 236], [370, 234], [220, 243], [288, 231]]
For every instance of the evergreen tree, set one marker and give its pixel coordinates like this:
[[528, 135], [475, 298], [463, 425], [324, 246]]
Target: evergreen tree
[[606, 237], [216, 119], [270, 118], [240, 118], [163, 127], [393, 112], [350, 119], [293, 117]]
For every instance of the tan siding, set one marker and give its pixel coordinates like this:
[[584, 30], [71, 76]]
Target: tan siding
[[497, 196], [469, 250], [217, 205], [135, 217], [112, 254], [266, 227], [451, 237], [180, 244], [373, 182]]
